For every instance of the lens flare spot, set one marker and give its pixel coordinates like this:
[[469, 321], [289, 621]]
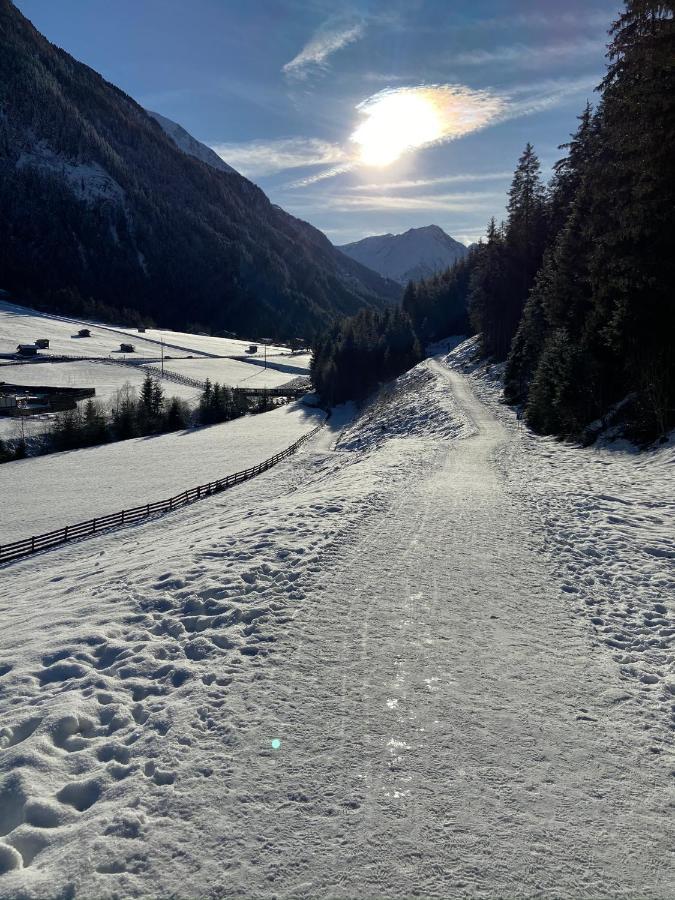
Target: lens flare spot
[[276, 744]]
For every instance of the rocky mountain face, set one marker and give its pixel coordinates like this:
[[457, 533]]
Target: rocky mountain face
[[412, 256], [106, 210]]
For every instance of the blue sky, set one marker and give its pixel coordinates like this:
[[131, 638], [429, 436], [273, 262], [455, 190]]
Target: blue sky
[[361, 117]]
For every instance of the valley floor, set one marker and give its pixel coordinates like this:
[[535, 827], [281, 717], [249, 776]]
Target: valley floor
[[424, 657]]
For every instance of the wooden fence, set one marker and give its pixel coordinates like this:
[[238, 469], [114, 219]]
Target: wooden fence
[[17, 549]]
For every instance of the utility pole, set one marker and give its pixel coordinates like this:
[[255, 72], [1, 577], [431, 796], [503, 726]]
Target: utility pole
[[265, 346], [162, 341]]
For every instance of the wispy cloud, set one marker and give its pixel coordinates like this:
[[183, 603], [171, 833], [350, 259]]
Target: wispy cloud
[[528, 99], [530, 57], [398, 120], [418, 183], [255, 158], [450, 202], [579, 18], [332, 36]]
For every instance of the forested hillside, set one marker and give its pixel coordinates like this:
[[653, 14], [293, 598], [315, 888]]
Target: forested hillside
[[575, 290], [102, 214]]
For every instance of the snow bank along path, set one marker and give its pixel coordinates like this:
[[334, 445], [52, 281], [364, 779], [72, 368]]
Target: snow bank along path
[[360, 678]]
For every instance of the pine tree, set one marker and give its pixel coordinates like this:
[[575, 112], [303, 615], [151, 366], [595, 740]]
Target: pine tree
[[525, 240], [489, 293], [157, 400], [569, 171]]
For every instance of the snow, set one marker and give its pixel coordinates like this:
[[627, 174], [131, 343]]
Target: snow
[[185, 142], [235, 372], [417, 253], [204, 343], [47, 492], [88, 181], [21, 325], [609, 516], [359, 674]]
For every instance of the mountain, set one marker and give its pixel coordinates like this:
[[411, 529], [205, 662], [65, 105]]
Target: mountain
[[105, 213], [412, 256], [185, 142]]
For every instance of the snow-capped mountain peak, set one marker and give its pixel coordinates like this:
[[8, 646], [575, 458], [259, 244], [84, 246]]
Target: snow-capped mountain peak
[[417, 253]]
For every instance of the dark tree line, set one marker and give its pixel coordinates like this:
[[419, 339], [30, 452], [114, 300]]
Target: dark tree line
[[437, 306], [130, 416], [357, 353], [220, 404]]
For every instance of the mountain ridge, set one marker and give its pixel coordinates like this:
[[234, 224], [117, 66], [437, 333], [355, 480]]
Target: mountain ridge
[[411, 256], [102, 210]]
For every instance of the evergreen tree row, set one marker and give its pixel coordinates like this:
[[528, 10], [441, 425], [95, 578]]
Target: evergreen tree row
[[130, 416], [358, 353], [437, 306], [133, 416]]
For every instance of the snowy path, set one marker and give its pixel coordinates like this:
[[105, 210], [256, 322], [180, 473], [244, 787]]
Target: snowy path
[[387, 612], [455, 738]]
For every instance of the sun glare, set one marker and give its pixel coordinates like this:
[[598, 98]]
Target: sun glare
[[398, 121]]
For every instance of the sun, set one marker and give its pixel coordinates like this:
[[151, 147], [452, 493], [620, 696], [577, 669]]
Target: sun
[[397, 121]]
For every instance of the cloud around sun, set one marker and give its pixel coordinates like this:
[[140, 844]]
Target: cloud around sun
[[397, 121]]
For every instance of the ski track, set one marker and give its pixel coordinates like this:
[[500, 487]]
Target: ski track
[[393, 606]]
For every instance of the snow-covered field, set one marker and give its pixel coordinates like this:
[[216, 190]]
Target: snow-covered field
[[231, 372], [203, 343], [361, 674], [48, 492], [20, 325]]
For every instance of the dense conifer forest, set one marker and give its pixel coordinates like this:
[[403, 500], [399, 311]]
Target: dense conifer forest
[[575, 291]]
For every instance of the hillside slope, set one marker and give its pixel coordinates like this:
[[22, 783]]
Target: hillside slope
[[416, 254], [102, 209]]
